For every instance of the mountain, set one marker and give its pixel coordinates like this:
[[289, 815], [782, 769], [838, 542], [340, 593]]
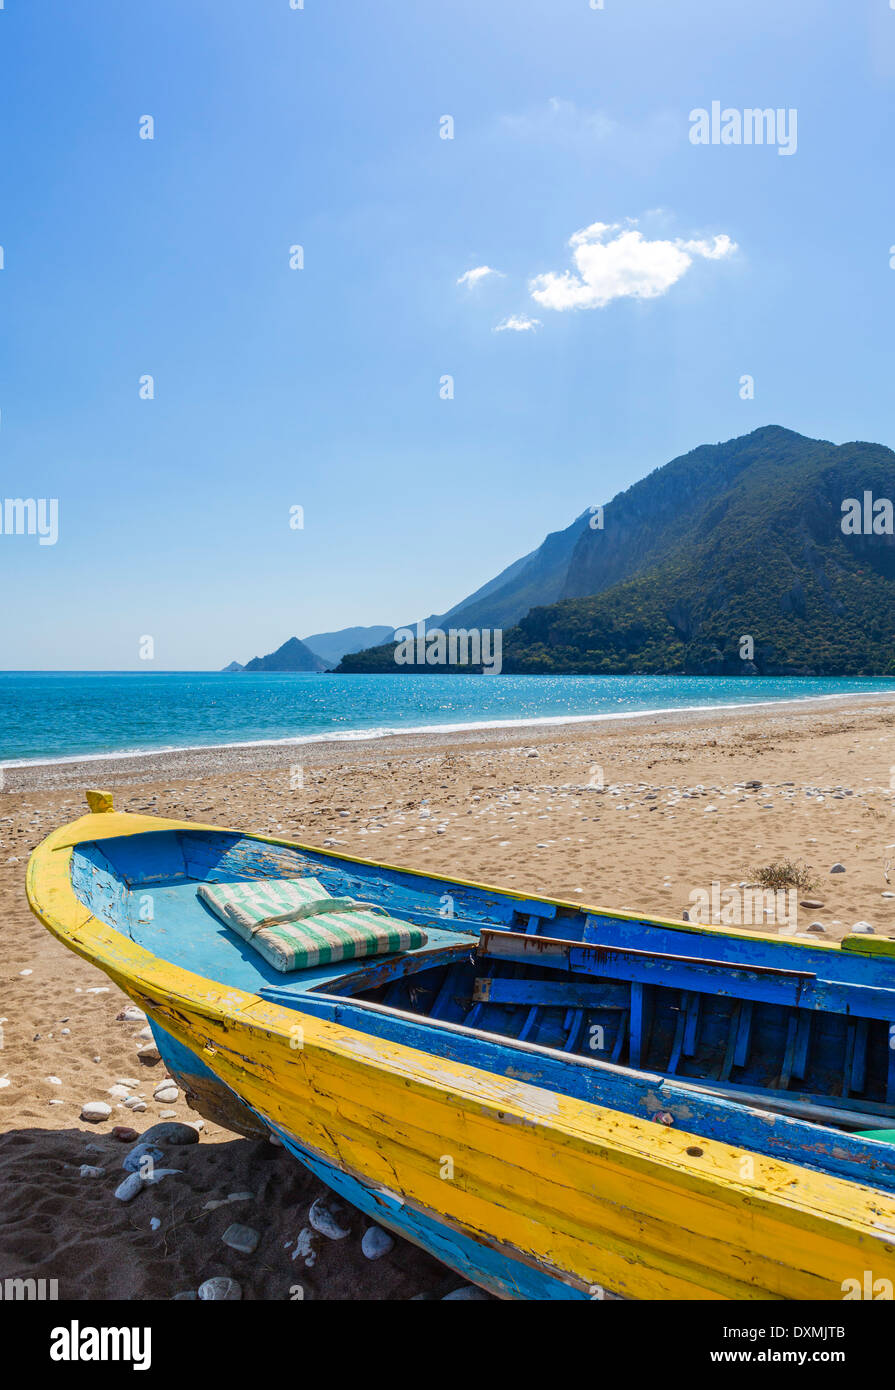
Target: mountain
[[232, 668], [537, 578], [332, 646], [292, 656], [738, 540]]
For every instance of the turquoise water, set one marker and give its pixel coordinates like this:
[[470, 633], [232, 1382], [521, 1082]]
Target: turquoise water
[[51, 715]]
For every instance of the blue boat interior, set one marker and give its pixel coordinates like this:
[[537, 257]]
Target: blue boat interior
[[780, 1047]]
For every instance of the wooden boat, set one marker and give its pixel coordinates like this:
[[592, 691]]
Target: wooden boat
[[556, 1100]]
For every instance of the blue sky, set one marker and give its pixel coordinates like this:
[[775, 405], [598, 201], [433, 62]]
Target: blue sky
[[319, 387]]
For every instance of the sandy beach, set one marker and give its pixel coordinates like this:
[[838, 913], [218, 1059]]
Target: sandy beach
[[634, 814]]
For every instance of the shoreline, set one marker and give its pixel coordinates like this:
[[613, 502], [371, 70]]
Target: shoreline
[[207, 760]]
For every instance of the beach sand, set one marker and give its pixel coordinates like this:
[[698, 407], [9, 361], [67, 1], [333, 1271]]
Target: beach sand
[[516, 807]]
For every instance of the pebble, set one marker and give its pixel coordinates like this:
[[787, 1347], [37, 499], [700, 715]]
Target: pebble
[[327, 1221], [187, 1294], [225, 1201], [140, 1152], [171, 1132], [128, 1189], [838, 869], [124, 1133], [119, 1092], [54, 1080], [158, 1174], [863, 929], [131, 1015], [149, 1053], [166, 1093], [242, 1238], [220, 1290], [376, 1243], [95, 1111], [134, 1103], [814, 903], [88, 1171], [467, 1294], [154, 1223], [817, 927]]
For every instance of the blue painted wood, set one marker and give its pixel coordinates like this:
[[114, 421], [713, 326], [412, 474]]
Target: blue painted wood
[[639, 1022], [744, 1035], [778, 953], [732, 1035], [736, 979], [859, 1059], [803, 1039], [692, 1028], [570, 994]]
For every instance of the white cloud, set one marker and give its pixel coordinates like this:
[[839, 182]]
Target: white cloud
[[518, 323], [473, 277], [615, 261]]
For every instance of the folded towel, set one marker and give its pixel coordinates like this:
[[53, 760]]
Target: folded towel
[[294, 923]]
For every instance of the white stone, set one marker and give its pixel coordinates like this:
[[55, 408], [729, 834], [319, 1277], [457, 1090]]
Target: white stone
[[326, 1222], [128, 1189], [95, 1111], [219, 1290], [159, 1174], [242, 1238], [89, 1171], [376, 1243]]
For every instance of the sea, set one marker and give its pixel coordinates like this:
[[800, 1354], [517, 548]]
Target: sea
[[51, 716]]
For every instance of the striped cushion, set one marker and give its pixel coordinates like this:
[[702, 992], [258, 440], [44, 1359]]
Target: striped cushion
[[333, 935]]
